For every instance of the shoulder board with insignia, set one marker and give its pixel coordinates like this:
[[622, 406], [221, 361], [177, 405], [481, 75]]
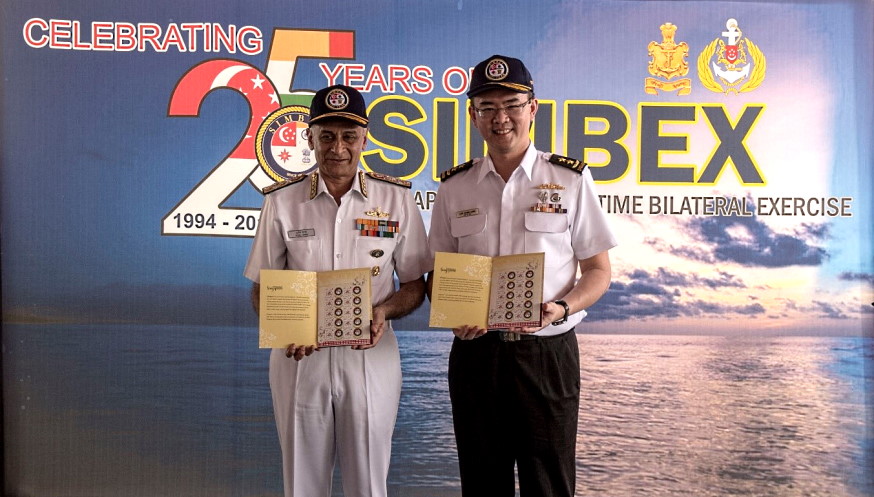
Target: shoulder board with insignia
[[455, 170], [297, 178], [572, 164], [389, 179]]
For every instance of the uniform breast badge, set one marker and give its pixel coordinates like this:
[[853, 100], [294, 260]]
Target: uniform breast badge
[[549, 198], [379, 227]]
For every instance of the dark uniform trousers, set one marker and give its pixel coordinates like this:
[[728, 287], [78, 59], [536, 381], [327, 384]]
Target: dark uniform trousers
[[516, 402]]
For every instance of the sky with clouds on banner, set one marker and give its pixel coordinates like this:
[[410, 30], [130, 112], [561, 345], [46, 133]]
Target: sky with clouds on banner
[[92, 163]]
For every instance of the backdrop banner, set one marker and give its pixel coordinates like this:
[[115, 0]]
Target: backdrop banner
[[730, 142]]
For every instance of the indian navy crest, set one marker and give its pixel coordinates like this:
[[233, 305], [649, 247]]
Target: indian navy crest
[[668, 62], [281, 146], [735, 64]]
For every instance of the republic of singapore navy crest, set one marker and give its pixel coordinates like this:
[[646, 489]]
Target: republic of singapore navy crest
[[734, 64], [281, 145]]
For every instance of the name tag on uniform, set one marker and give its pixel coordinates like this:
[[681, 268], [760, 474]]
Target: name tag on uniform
[[467, 213], [304, 233]]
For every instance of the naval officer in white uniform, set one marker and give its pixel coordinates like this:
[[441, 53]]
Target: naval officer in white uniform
[[515, 393], [340, 403]]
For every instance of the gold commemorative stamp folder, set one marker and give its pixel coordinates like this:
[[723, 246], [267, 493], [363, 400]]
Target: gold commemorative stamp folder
[[327, 309], [489, 292]]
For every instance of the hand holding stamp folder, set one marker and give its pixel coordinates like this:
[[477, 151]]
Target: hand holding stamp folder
[[325, 309], [489, 292]]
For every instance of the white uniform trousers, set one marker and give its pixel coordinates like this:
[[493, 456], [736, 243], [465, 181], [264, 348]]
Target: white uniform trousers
[[338, 404]]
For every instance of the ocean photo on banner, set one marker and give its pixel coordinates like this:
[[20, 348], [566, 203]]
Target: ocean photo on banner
[[132, 414]]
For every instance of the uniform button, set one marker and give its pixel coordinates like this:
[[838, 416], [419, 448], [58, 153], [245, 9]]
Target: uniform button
[[339, 220], [338, 256]]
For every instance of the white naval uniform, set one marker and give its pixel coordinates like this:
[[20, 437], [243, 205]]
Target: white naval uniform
[[338, 403], [478, 213]]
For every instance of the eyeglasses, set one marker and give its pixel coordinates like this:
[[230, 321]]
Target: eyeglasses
[[511, 110]]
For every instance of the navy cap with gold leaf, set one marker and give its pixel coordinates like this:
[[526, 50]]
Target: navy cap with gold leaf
[[338, 102], [499, 71]]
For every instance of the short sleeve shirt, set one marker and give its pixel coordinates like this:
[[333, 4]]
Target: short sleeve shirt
[[543, 207], [303, 228]]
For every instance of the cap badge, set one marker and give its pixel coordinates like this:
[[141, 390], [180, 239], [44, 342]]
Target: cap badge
[[497, 69], [337, 99]]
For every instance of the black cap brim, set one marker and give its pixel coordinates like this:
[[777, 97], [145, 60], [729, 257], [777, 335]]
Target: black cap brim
[[346, 116], [499, 86]]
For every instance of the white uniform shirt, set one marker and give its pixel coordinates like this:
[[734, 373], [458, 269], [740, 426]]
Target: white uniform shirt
[[303, 228], [476, 212]]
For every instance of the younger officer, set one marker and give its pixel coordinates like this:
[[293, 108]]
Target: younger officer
[[515, 393], [340, 403]]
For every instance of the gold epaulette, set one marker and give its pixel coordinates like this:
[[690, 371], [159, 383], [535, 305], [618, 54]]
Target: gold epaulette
[[445, 175], [390, 179], [297, 178], [572, 164]]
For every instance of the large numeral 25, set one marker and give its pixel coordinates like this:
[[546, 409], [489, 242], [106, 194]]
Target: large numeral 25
[[264, 94]]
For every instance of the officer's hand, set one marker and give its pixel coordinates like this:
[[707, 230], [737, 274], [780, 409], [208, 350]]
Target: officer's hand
[[551, 312], [300, 352], [377, 327], [469, 332]]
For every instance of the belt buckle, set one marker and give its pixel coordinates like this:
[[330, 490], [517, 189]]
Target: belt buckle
[[509, 336]]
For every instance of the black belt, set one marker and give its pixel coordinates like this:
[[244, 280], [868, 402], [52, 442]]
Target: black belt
[[509, 336]]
